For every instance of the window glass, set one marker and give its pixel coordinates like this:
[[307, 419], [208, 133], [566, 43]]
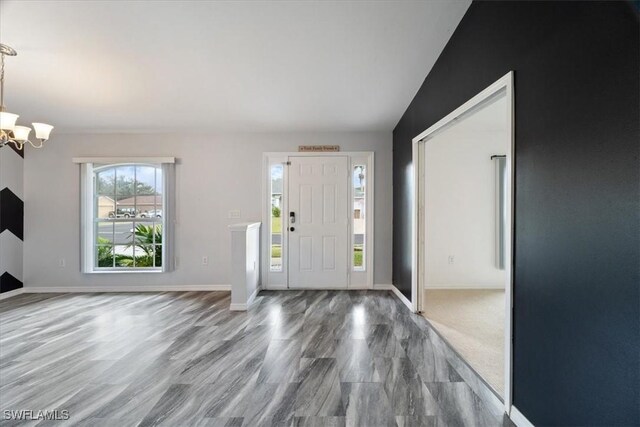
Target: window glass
[[277, 173], [105, 194], [359, 216], [128, 230], [104, 244]]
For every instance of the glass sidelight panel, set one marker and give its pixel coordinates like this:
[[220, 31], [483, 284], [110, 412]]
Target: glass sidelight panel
[[276, 223], [359, 216]]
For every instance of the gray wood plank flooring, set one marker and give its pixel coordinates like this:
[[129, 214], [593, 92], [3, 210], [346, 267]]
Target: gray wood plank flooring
[[296, 358]]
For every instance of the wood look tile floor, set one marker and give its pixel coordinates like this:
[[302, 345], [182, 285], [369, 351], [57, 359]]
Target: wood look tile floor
[[296, 358]]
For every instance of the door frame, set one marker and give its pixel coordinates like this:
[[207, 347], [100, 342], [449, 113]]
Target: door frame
[[356, 279], [505, 83]]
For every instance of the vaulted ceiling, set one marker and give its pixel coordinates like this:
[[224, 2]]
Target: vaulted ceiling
[[135, 66]]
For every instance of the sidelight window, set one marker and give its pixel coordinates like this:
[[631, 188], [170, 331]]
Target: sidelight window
[[276, 223], [359, 216]]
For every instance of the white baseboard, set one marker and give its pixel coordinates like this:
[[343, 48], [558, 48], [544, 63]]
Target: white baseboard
[[276, 288], [239, 306], [397, 293], [170, 288], [519, 419], [402, 298], [435, 287], [253, 296], [12, 293], [361, 287]]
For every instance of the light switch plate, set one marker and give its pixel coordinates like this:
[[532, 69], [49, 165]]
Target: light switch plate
[[234, 214]]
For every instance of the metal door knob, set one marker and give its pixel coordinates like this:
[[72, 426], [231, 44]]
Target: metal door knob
[[292, 229]]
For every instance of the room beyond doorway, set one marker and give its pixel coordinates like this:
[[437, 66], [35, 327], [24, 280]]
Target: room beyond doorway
[[472, 321]]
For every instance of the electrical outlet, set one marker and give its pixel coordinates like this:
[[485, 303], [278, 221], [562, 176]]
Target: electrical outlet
[[62, 263], [450, 259], [205, 260], [234, 214]]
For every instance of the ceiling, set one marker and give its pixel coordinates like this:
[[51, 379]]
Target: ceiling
[[261, 66]]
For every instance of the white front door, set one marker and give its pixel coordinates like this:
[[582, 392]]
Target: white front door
[[318, 222]]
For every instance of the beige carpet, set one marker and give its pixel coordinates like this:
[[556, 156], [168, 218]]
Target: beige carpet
[[473, 323]]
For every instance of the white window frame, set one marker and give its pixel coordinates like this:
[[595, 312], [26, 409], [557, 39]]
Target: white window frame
[[360, 278], [87, 214]]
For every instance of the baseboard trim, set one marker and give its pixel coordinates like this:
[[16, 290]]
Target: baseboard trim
[[396, 292], [12, 293], [276, 288], [362, 287], [464, 288], [253, 296], [239, 306], [93, 289], [519, 419]]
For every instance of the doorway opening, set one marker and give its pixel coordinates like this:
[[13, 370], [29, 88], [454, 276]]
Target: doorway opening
[[318, 220], [463, 169]]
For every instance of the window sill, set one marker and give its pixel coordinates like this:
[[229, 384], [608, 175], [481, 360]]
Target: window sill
[[132, 271]]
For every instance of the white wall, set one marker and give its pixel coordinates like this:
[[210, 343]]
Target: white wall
[[460, 201], [215, 173]]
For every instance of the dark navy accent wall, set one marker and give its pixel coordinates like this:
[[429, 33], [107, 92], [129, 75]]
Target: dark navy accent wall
[[577, 201]]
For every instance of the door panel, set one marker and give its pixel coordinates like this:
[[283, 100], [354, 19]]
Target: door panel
[[318, 246]]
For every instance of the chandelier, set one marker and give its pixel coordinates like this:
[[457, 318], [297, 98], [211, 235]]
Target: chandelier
[[9, 131]]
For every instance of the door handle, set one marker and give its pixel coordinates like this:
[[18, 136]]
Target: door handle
[[292, 217]]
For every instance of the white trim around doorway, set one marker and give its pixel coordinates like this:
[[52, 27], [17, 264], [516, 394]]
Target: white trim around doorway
[[505, 83], [275, 280]]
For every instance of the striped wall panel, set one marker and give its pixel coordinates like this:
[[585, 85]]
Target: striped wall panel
[[11, 218]]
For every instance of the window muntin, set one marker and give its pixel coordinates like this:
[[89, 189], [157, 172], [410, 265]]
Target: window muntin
[[128, 217], [276, 222], [359, 216]]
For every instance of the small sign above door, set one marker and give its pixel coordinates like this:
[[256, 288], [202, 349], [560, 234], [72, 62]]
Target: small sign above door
[[318, 148]]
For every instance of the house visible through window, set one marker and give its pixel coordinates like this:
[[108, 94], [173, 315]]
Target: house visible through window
[[128, 216]]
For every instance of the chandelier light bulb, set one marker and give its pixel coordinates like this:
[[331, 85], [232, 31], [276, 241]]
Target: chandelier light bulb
[[8, 121], [42, 130], [21, 133]]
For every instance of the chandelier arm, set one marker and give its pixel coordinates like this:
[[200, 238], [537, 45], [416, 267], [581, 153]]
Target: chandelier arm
[[36, 146], [19, 145]]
